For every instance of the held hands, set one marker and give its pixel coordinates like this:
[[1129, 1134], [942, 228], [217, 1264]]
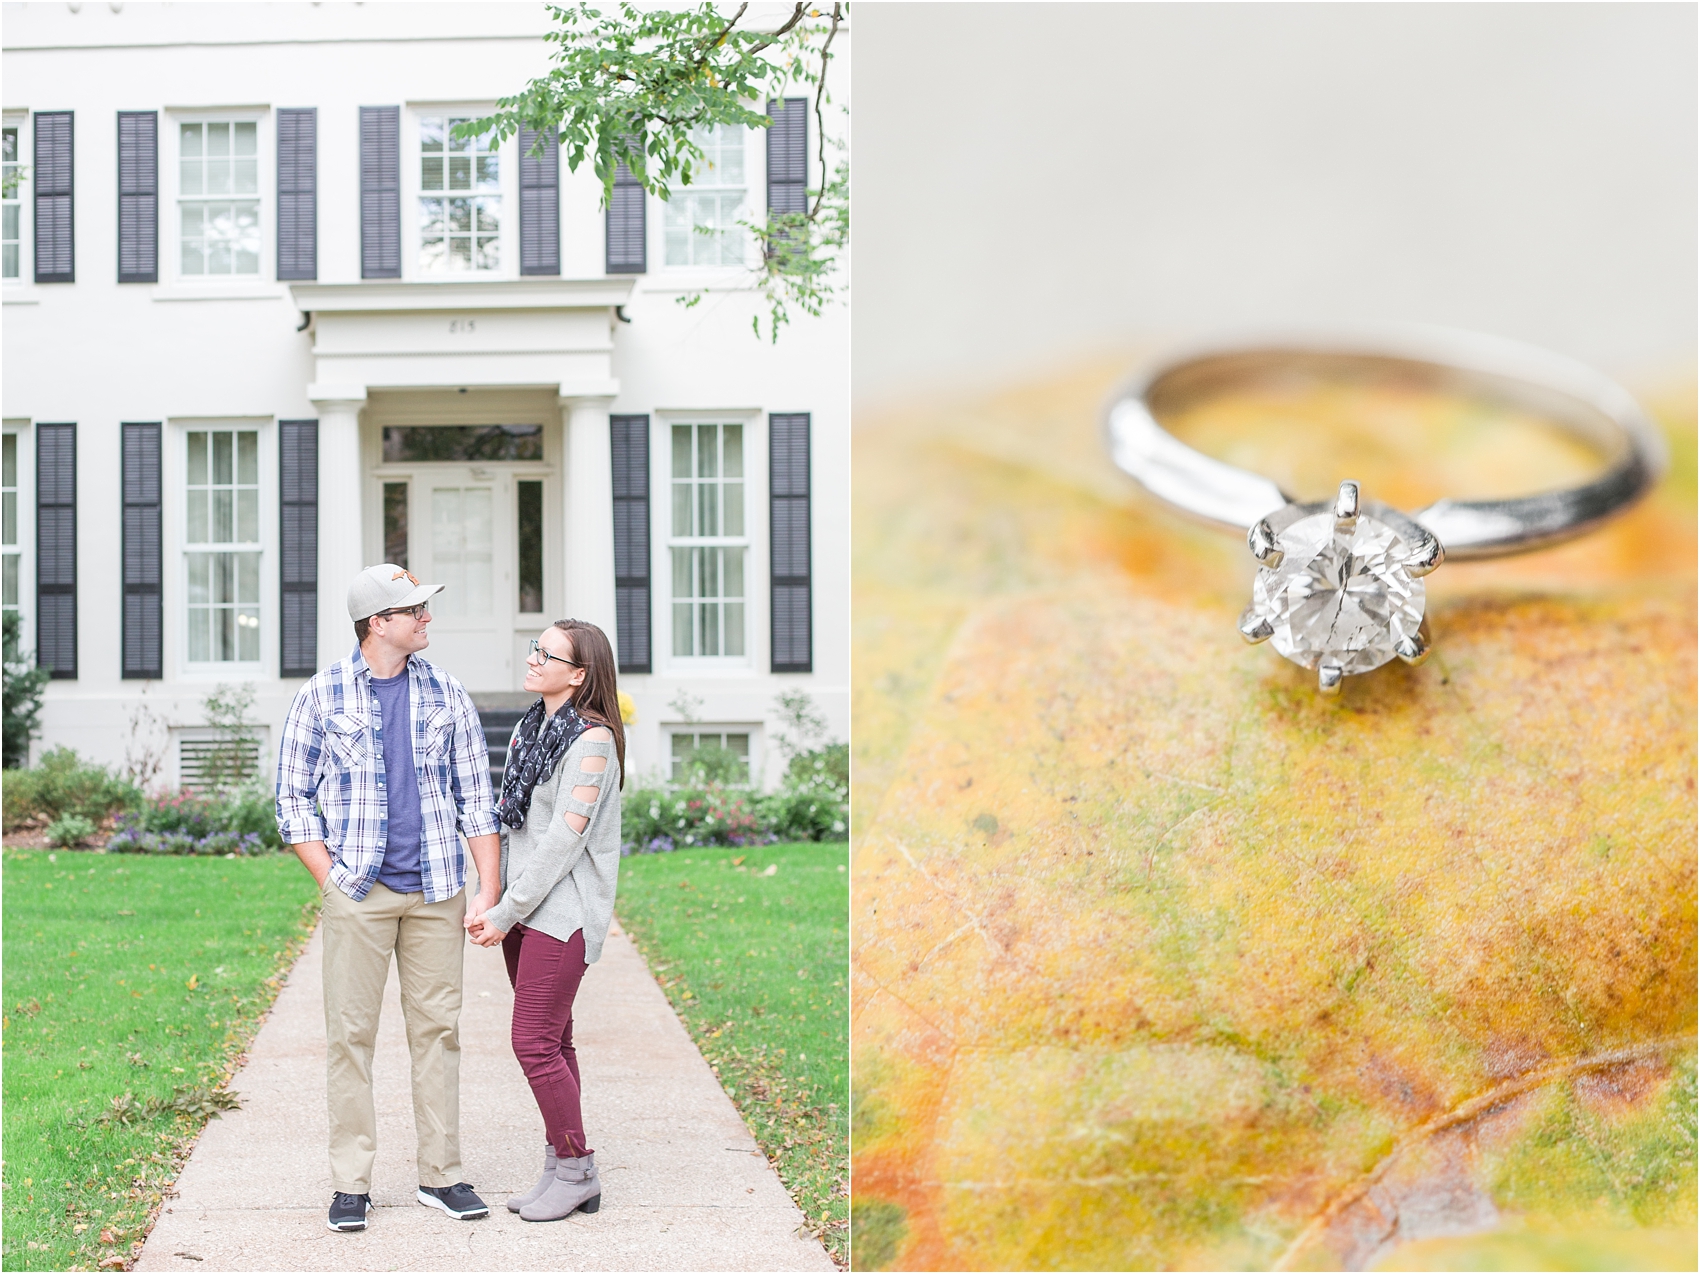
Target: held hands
[[478, 928]]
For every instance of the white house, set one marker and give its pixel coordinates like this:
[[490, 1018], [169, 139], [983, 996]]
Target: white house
[[265, 323]]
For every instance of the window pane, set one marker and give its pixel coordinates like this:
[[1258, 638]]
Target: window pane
[[732, 507], [708, 452], [246, 137], [682, 573], [708, 629], [9, 580], [461, 550], [530, 547], [9, 145], [200, 567], [248, 517], [246, 181], [462, 442], [395, 523], [460, 215], [457, 143], [460, 253], [189, 178], [489, 216], [190, 141], [734, 628], [224, 635], [9, 260], [10, 221], [9, 518], [221, 456], [223, 572], [682, 630], [431, 172], [432, 218], [197, 459], [247, 577], [431, 135], [489, 172], [681, 451], [708, 508], [199, 648], [9, 460], [248, 456], [218, 140], [223, 523], [489, 253], [460, 172], [734, 451], [197, 531], [733, 572], [248, 635]]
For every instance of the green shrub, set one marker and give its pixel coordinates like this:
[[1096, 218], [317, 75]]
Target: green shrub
[[24, 684], [68, 830], [66, 784], [237, 820], [814, 801], [655, 820]]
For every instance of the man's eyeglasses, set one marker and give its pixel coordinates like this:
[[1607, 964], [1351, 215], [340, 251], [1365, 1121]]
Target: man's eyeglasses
[[542, 657], [416, 612]]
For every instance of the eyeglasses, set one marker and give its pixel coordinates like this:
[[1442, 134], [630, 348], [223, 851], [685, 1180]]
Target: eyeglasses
[[417, 612], [537, 649]]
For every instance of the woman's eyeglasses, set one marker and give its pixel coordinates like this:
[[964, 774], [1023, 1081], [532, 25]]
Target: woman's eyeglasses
[[542, 657]]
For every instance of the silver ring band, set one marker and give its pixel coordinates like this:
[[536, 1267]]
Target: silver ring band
[[1571, 395]]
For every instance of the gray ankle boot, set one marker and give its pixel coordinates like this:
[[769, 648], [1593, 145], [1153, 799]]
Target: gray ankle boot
[[575, 1188], [518, 1201]]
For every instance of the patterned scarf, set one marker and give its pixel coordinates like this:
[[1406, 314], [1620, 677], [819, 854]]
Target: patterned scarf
[[536, 749]]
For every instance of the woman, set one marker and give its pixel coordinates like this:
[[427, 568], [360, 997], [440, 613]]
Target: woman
[[560, 813]]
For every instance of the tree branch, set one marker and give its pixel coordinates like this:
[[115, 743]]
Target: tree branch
[[820, 114]]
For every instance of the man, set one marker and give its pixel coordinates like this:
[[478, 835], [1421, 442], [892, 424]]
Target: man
[[382, 766]]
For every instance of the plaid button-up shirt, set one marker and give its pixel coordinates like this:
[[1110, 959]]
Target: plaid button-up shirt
[[330, 774]]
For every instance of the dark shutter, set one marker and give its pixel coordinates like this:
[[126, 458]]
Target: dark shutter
[[788, 495], [625, 224], [629, 436], [539, 204], [297, 193], [55, 245], [380, 192], [788, 154], [138, 197], [298, 479], [56, 549], [142, 562]]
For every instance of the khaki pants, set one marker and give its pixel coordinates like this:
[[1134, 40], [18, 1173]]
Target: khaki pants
[[428, 941]]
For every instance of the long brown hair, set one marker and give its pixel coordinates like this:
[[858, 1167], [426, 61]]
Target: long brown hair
[[597, 698]]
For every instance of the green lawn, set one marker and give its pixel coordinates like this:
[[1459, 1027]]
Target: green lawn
[[756, 966], [130, 978]]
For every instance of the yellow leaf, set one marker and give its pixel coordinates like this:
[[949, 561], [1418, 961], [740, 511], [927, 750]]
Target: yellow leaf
[[193, 982], [1165, 954]]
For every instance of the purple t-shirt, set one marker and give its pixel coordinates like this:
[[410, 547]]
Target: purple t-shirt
[[400, 871]]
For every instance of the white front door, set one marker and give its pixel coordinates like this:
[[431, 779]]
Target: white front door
[[459, 542]]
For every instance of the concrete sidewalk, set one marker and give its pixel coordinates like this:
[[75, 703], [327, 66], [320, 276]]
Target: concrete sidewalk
[[684, 1186]]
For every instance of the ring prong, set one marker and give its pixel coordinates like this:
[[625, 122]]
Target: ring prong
[[1415, 648], [1254, 627], [1346, 506], [1328, 678], [1428, 555], [1261, 540]]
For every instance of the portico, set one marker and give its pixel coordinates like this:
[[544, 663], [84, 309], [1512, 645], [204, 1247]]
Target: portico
[[465, 428]]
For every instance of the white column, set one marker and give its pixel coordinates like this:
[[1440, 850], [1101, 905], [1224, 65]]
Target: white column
[[589, 520], [341, 532]]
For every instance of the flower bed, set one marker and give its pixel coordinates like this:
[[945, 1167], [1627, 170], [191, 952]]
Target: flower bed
[[813, 805], [237, 821]]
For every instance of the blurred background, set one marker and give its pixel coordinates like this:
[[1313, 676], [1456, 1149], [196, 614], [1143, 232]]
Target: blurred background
[[1040, 184]]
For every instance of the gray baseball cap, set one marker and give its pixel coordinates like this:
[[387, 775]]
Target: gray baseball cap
[[386, 587]]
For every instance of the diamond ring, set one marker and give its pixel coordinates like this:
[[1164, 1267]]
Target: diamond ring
[[1339, 586]]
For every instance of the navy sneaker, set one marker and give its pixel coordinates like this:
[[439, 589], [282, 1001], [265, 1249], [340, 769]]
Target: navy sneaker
[[348, 1211], [457, 1200]]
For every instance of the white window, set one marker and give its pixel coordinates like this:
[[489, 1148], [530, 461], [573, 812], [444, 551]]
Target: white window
[[11, 200], [685, 743], [702, 219], [222, 545], [11, 553], [460, 200], [218, 205], [708, 541]]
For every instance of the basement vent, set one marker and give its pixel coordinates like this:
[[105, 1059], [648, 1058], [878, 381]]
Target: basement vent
[[205, 762]]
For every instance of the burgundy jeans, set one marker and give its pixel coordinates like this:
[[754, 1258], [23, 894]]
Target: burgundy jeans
[[545, 974]]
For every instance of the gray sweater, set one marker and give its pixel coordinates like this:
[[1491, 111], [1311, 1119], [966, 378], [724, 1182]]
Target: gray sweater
[[554, 879]]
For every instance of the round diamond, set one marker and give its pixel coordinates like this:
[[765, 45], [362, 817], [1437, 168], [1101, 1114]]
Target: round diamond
[[1342, 594]]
